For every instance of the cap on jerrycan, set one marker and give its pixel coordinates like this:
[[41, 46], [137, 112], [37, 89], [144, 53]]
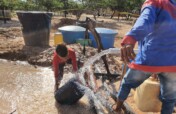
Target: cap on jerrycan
[[58, 38]]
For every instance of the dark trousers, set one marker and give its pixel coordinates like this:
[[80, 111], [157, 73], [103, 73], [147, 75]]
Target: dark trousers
[[61, 69]]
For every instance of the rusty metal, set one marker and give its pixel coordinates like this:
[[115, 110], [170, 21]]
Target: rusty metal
[[114, 77], [90, 25]]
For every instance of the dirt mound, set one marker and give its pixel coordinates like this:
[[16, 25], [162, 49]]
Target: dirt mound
[[11, 32], [43, 56], [62, 22]]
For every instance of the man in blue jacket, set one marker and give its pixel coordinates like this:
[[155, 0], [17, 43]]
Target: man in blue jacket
[[155, 32]]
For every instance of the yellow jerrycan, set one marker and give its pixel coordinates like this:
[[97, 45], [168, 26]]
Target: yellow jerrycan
[[146, 96], [58, 38]]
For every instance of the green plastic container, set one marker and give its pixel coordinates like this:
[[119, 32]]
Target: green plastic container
[[86, 42]]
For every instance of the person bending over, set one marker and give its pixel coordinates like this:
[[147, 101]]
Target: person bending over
[[62, 55]]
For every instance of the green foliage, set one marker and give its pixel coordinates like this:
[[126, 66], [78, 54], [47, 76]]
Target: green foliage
[[125, 5], [8, 4], [50, 5], [3, 4], [134, 5], [75, 5], [21, 5], [54, 5]]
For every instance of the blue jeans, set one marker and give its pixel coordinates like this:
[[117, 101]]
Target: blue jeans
[[133, 78]]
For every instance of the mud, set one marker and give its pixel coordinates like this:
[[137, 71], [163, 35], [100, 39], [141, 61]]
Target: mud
[[25, 89], [12, 47]]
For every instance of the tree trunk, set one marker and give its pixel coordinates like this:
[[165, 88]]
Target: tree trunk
[[3, 14]]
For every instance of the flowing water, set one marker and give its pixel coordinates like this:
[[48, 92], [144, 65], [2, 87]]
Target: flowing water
[[25, 89], [100, 101]]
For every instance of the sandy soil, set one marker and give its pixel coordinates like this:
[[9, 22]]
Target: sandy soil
[[12, 46]]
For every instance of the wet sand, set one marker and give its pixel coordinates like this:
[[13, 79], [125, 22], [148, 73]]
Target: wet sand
[[25, 89]]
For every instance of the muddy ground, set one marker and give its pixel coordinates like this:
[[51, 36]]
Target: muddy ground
[[12, 45]]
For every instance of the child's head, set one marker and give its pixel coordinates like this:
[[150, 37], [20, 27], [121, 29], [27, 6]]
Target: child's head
[[62, 50]]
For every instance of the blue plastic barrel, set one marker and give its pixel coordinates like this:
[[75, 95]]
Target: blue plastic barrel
[[107, 37], [72, 33]]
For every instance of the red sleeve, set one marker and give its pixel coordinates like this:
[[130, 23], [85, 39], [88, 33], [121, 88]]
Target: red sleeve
[[73, 58], [55, 65], [155, 3], [128, 40]]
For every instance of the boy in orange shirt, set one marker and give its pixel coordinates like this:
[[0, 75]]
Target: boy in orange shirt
[[62, 55]]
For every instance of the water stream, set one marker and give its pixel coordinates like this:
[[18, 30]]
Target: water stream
[[100, 102], [21, 84], [25, 89]]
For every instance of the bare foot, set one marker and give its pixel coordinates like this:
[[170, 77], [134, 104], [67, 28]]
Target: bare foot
[[117, 111]]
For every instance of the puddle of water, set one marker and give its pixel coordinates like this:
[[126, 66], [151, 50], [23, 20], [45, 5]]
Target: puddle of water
[[25, 89], [22, 86]]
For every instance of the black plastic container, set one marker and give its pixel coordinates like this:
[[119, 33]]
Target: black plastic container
[[69, 93], [35, 27]]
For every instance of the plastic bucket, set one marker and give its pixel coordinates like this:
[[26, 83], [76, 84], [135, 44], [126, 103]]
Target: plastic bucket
[[86, 42], [107, 37], [35, 27], [58, 38], [69, 93], [72, 33]]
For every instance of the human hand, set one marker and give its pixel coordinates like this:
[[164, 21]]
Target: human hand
[[127, 53], [154, 77]]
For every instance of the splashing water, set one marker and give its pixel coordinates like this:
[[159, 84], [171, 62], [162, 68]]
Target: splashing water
[[91, 60], [26, 87], [99, 100]]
